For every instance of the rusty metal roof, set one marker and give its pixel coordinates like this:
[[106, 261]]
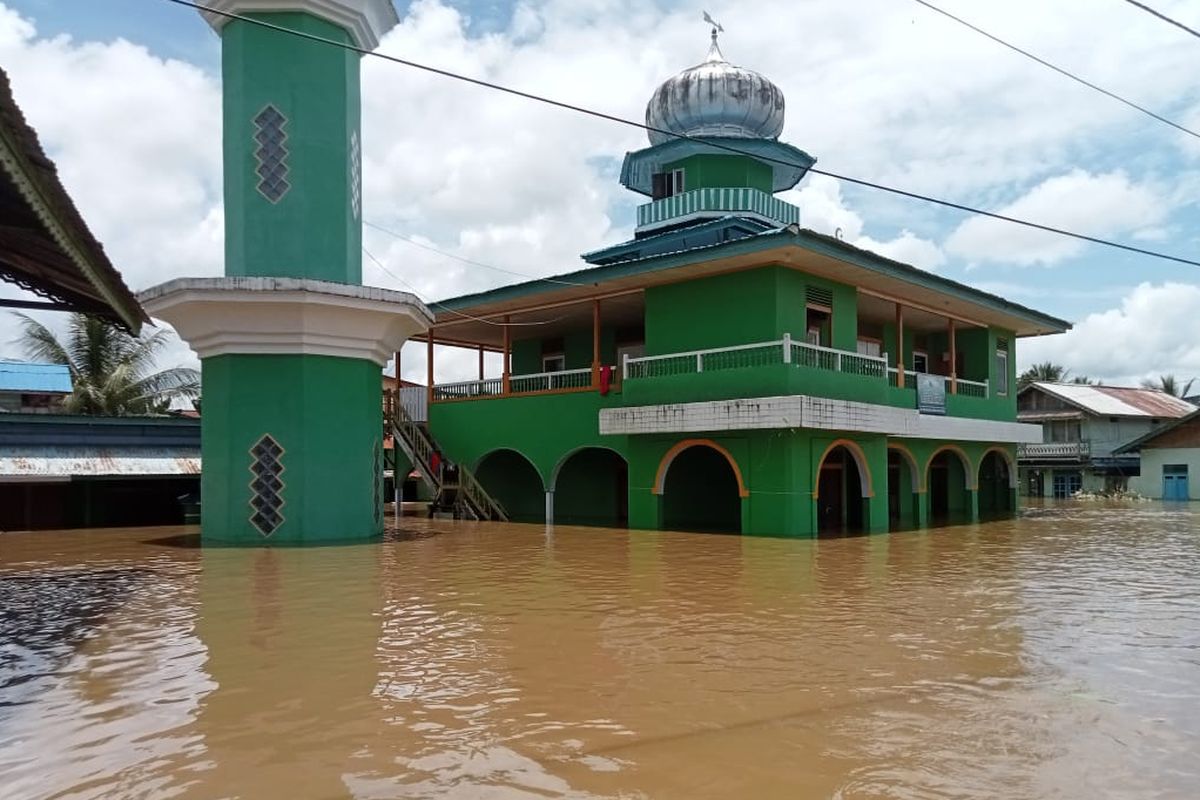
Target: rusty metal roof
[[1118, 401], [50, 463]]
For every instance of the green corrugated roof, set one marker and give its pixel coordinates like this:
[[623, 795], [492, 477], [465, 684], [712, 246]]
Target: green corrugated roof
[[789, 235]]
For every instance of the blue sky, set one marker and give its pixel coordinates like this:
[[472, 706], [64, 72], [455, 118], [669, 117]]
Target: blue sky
[[886, 91]]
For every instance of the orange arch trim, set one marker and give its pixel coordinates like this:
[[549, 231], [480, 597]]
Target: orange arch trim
[[1013, 483], [860, 458], [969, 472], [918, 477], [661, 476]]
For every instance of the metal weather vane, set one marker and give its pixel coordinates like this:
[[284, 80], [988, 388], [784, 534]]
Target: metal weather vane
[[716, 26]]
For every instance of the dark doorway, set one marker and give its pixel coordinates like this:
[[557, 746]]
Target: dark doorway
[[949, 501], [840, 501], [515, 483], [592, 489], [995, 489], [701, 493], [902, 497]]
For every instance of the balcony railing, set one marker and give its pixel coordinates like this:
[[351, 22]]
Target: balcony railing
[[966, 388], [703, 201], [782, 351], [1066, 451], [563, 380]]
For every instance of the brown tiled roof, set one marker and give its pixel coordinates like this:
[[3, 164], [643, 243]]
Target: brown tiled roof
[[45, 246]]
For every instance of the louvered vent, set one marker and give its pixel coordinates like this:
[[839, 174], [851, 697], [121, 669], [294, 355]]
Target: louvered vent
[[817, 296]]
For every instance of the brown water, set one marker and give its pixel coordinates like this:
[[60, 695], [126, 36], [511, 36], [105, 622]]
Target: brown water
[[1054, 656]]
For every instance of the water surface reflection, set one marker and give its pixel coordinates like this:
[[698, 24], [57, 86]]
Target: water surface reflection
[[1056, 655]]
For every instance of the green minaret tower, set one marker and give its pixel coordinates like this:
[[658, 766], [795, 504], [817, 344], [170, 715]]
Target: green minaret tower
[[290, 343]]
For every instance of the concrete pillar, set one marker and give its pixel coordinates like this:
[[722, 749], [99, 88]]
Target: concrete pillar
[[550, 507]]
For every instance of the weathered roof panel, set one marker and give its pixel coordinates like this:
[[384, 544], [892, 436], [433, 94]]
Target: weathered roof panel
[[59, 463], [45, 246], [1119, 401]]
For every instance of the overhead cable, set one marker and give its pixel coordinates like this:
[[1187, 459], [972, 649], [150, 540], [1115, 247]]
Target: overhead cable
[[1164, 17], [712, 143], [1060, 70]]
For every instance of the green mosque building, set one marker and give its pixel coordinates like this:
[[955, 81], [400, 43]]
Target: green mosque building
[[729, 370]]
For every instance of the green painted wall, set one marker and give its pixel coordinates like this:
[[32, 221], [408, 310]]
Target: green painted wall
[[312, 232], [716, 171], [332, 474]]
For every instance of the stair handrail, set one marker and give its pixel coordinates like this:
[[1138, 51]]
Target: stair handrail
[[421, 449]]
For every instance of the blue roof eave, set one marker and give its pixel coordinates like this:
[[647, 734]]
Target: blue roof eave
[[789, 164]]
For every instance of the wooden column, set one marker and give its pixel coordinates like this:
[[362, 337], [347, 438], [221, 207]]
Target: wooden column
[[596, 344], [899, 345], [504, 381], [953, 358], [429, 366], [481, 362]]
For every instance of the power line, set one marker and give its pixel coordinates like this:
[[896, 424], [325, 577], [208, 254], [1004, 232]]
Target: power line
[[716, 145], [410, 240], [1060, 70], [456, 312], [1164, 17]]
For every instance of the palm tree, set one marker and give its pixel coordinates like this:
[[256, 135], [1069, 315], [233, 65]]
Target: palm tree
[[1047, 372], [110, 370], [1169, 385], [1083, 380]]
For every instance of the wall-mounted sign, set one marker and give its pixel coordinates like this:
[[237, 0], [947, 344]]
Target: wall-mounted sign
[[931, 394]]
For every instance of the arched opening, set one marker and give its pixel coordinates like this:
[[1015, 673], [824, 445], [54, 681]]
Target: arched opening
[[509, 477], [996, 492], [949, 497], [841, 501], [592, 488], [701, 491], [903, 498]]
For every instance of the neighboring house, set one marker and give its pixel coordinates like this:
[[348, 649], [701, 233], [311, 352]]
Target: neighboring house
[[1083, 429], [1170, 458], [60, 471], [729, 370], [28, 388]]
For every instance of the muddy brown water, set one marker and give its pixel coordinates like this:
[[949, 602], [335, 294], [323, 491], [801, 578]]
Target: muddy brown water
[[1052, 656]]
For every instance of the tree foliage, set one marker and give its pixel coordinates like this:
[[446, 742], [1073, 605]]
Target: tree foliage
[[1170, 385], [1047, 372], [111, 371]]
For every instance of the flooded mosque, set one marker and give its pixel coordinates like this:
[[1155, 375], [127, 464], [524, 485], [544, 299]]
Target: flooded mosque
[[724, 370], [727, 369]]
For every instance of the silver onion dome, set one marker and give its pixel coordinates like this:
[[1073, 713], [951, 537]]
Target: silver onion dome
[[716, 98]]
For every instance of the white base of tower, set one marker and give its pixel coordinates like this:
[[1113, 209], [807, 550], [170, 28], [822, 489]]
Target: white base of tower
[[276, 316]]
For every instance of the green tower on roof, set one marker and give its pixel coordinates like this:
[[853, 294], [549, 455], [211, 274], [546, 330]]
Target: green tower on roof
[[688, 171], [291, 344]]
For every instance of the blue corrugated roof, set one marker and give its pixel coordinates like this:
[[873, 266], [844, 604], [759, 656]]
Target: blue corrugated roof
[[24, 376]]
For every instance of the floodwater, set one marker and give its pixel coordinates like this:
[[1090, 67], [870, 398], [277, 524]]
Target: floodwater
[[1055, 656]]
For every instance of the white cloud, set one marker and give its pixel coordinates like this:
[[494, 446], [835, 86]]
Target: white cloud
[[1154, 331], [823, 209], [880, 90], [1102, 205]]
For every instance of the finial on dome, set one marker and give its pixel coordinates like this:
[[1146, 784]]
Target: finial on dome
[[714, 50]]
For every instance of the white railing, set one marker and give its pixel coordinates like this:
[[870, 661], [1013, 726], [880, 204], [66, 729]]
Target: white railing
[[536, 382], [551, 381], [782, 351], [1070, 450], [910, 378], [416, 403], [488, 387], [970, 388]]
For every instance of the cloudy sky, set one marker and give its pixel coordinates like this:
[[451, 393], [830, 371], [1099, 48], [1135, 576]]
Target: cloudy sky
[[126, 97]]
